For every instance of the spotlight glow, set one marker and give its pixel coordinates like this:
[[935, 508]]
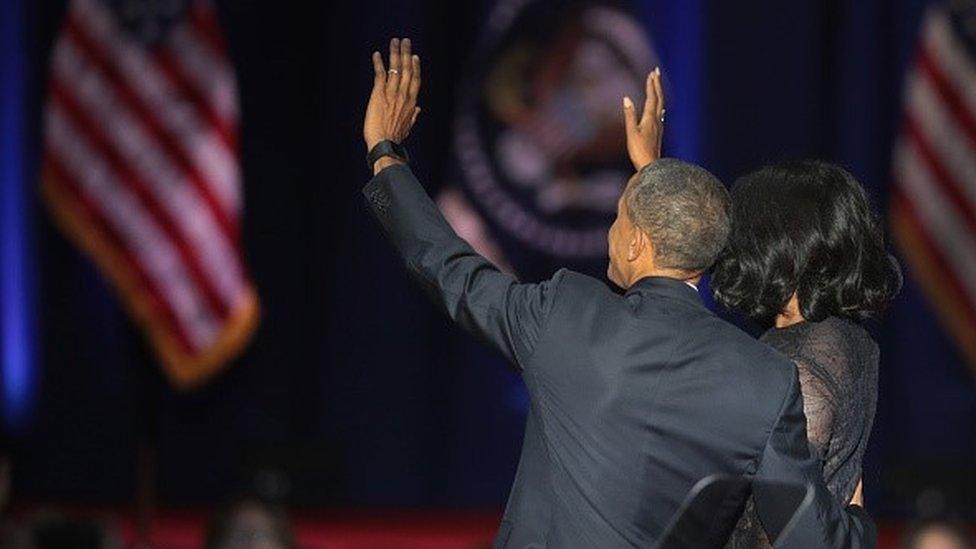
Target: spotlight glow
[[16, 278]]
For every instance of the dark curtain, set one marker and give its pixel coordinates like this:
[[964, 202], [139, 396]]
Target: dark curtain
[[354, 391]]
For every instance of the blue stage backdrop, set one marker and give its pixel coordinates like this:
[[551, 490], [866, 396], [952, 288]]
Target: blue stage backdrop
[[354, 391], [17, 359]]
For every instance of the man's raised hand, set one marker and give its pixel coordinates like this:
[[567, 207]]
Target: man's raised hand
[[644, 134], [392, 109]]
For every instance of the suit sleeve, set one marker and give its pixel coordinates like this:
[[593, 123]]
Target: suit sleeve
[[788, 459], [486, 302]]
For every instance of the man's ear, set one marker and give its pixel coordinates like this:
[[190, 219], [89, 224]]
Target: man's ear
[[639, 244]]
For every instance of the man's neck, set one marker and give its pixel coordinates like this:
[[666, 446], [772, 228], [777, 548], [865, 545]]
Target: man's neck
[[692, 279]]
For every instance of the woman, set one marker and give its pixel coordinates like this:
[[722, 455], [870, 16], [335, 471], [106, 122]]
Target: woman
[[806, 256]]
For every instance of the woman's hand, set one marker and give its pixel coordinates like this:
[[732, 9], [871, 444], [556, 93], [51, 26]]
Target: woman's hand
[[392, 109], [644, 135]]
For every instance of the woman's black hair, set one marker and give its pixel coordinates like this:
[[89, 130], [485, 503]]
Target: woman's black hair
[[804, 227]]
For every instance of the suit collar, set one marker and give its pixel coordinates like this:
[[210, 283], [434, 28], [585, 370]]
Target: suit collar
[[666, 287]]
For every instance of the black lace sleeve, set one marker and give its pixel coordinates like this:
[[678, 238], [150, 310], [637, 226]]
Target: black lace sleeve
[[837, 363], [821, 398], [838, 367]]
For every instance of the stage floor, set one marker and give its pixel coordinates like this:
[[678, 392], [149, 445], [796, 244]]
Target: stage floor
[[334, 529]]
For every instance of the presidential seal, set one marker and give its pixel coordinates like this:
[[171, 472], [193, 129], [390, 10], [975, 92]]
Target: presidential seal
[[539, 133]]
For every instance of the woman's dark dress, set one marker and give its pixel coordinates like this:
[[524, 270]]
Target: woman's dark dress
[[838, 368]]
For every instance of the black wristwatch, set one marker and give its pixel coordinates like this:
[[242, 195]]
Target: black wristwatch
[[386, 148]]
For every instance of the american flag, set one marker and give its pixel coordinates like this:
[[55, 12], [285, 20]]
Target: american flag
[[933, 210], [140, 169]]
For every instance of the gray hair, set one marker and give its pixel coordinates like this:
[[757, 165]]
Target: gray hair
[[684, 209]]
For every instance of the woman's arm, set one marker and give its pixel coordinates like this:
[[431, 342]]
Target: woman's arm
[[819, 403]]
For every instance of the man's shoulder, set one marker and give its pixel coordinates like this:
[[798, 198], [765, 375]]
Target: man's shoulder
[[755, 379], [753, 359], [574, 280], [762, 360], [580, 289]]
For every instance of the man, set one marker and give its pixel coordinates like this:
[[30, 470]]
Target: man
[[634, 398]]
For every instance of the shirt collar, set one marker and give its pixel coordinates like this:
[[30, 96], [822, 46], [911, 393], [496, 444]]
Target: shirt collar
[[667, 287]]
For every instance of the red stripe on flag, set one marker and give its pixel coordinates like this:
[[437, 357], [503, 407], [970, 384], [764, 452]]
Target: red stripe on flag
[[901, 201], [133, 182], [950, 96], [228, 225], [164, 59], [67, 183], [942, 177]]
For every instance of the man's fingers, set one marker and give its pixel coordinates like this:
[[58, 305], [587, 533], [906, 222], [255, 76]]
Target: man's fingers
[[379, 72], [659, 88], [395, 54], [630, 116], [406, 66], [416, 113], [651, 103], [393, 78], [415, 77]]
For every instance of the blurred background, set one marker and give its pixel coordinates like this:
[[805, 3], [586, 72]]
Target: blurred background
[[198, 311]]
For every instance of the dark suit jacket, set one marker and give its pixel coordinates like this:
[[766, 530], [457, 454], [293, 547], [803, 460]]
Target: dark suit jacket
[[634, 398]]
